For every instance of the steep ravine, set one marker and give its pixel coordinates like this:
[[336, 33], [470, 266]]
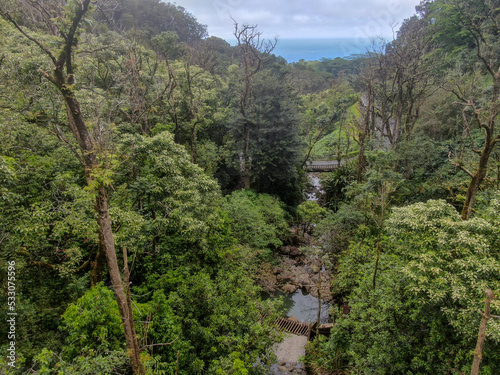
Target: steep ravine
[[296, 278]]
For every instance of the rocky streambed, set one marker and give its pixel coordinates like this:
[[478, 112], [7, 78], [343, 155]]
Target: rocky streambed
[[295, 271], [296, 278]]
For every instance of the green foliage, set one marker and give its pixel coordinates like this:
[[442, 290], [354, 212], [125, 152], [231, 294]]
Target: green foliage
[[88, 363], [167, 44], [93, 323], [336, 231], [456, 260], [211, 321], [342, 66], [454, 41], [275, 153], [328, 118], [309, 214], [335, 185], [147, 18], [422, 317], [175, 198], [258, 220]]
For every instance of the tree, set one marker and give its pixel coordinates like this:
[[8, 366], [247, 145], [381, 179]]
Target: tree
[[258, 220], [431, 281], [253, 52], [366, 126], [324, 112], [482, 20], [148, 18], [274, 146], [400, 78], [191, 101], [62, 76], [413, 80], [478, 352], [309, 214]]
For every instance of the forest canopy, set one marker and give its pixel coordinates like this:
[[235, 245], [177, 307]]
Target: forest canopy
[[150, 174]]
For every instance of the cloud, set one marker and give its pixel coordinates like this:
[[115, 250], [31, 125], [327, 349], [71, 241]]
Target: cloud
[[303, 19]]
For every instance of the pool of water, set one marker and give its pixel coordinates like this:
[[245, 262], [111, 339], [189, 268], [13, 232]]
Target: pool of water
[[302, 305]]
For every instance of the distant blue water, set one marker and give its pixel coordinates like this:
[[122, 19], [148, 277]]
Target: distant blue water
[[294, 50]]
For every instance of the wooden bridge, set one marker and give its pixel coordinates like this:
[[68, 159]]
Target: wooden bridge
[[322, 165], [291, 326], [299, 328]]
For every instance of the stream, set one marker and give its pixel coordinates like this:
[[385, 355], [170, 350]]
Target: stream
[[314, 191], [304, 307], [301, 305]]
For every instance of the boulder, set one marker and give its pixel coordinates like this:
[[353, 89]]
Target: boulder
[[294, 251], [303, 279], [285, 250], [284, 276], [289, 288], [268, 283], [278, 270]]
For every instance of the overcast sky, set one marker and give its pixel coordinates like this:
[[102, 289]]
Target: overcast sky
[[303, 19]]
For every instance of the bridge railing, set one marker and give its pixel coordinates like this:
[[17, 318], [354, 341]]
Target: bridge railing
[[321, 166]]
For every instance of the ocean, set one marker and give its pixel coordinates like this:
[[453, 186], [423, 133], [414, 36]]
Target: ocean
[[294, 50]]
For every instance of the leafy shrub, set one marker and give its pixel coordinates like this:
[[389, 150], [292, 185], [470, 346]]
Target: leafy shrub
[[258, 220], [422, 317], [93, 323]]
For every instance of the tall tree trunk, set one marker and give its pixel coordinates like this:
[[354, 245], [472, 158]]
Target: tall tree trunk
[[320, 286], [62, 76], [485, 117], [478, 352], [377, 258], [99, 262], [363, 135], [81, 133], [476, 181], [247, 164], [124, 302], [107, 244]]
